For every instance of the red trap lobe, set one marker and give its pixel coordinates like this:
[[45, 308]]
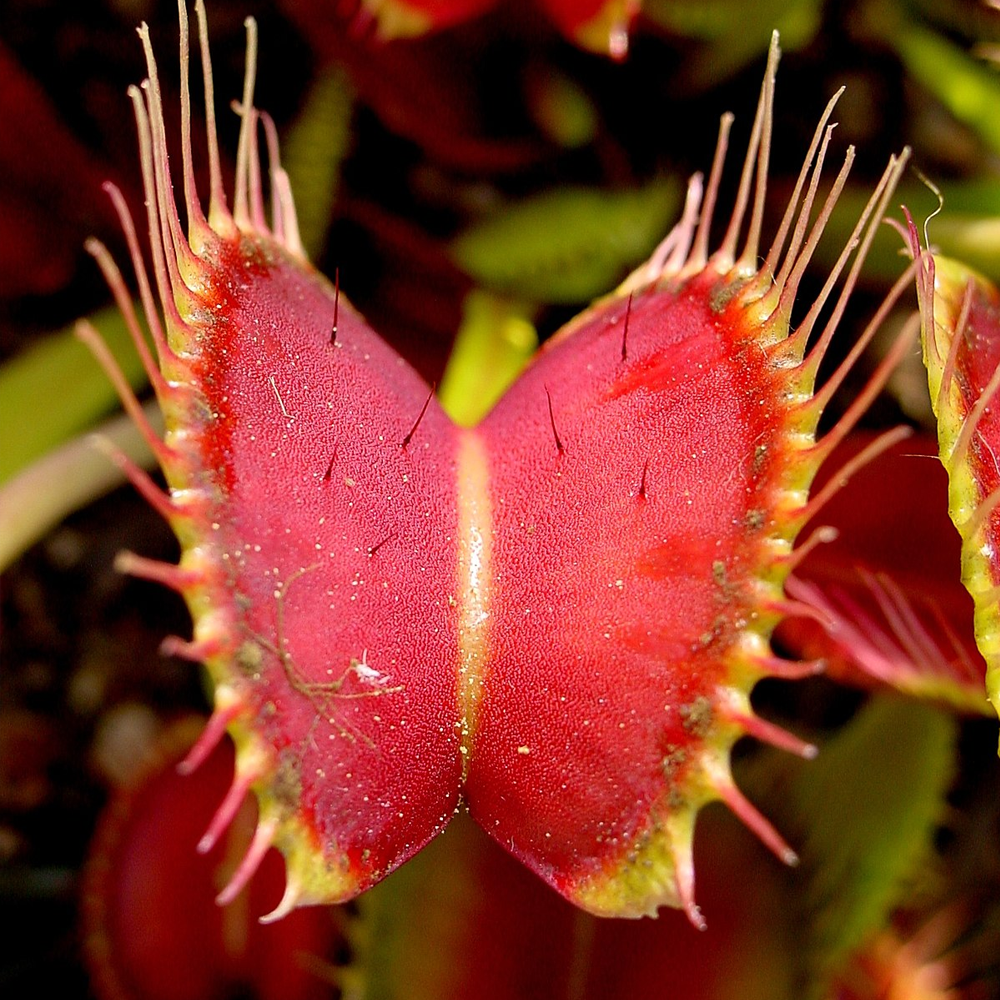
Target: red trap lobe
[[554, 618]]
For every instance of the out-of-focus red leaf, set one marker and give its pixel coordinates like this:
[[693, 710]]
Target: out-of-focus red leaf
[[426, 15], [419, 89], [600, 25], [465, 919], [895, 539], [50, 189], [747, 952], [153, 928]]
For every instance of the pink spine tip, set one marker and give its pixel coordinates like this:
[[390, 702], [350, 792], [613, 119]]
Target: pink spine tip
[[140, 479], [196, 651], [289, 901], [768, 732], [749, 815], [209, 739], [790, 670], [684, 874], [226, 812], [262, 839], [168, 574]]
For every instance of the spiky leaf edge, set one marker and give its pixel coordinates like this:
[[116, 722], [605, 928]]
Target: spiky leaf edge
[[972, 510]]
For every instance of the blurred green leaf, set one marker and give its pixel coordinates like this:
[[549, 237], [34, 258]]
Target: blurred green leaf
[[56, 389], [888, 255], [567, 245], [494, 343], [431, 899], [870, 804], [973, 239], [561, 108], [966, 87], [69, 477], [734, 39], [967, 229], [312, 153]]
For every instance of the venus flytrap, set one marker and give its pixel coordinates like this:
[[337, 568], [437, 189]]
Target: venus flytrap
[[553, 619]]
